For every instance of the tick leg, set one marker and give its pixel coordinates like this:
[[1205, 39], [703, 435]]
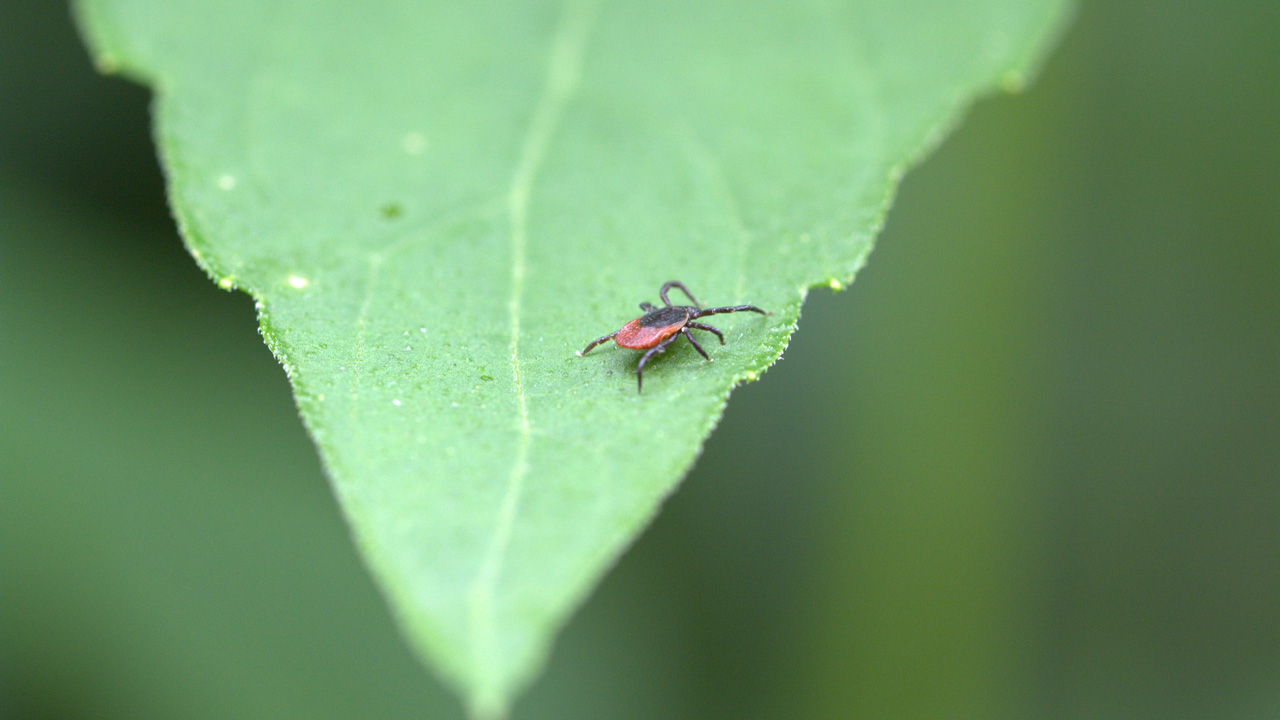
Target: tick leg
[[677, 284], [732, 308], [708, 328], [655, 349], [596, 342], [695, 344], [648, 307]]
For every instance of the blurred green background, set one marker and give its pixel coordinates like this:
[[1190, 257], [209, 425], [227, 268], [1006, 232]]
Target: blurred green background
[[1028, 466]]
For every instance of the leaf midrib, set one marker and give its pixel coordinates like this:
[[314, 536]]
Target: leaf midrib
[[563, 73]]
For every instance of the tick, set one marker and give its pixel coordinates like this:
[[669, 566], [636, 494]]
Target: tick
[[660, 326]]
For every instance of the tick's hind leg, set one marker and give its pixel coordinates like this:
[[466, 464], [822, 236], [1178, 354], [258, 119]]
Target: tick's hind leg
[[709, 329], [694, 343], [652, 351], [596, 342], [731, 308]]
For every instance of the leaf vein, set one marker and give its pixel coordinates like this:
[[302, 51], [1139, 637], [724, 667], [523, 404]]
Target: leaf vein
[[563, 72]]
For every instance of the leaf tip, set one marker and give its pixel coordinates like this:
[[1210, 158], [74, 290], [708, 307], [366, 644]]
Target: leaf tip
[[487, 706]]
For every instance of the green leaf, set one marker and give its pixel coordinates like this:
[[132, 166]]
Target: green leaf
[[436, 205]]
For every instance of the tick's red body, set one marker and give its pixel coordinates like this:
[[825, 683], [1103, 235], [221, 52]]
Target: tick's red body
[[651, 329], [659, 327]]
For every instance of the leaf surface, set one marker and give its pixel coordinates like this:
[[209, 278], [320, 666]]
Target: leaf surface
[[437, 205]]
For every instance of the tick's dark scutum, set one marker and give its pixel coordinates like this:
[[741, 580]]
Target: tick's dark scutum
[[662, 317]]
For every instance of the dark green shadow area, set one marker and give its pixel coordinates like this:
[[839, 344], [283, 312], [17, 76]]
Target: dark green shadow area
[[1026, 467]]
